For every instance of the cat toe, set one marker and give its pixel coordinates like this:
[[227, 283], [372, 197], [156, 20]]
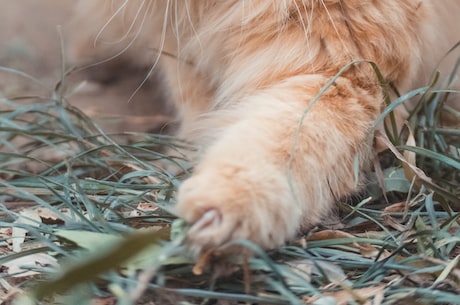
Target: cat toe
[[220, 210], [209, 230]]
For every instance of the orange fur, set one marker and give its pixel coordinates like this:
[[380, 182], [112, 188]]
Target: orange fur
[[245, 82]]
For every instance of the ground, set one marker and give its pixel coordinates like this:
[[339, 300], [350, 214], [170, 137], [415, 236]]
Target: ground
[[30, 42]]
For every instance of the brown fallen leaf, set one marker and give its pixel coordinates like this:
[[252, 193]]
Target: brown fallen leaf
[[343, 297], [14, 267], [365, 249]]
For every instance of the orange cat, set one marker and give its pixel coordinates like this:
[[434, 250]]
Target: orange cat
[[246, 77]]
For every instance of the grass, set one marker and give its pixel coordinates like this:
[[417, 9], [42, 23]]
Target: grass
[[85, 218]]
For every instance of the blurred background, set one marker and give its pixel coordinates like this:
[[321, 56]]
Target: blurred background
[[30, 43]]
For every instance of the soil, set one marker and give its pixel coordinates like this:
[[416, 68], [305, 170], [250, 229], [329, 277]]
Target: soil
[[30, 42]]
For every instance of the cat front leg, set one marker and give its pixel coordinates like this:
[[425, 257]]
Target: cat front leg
[[281, 164]]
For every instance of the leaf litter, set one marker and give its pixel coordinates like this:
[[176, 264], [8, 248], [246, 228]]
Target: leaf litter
[[85, 218]]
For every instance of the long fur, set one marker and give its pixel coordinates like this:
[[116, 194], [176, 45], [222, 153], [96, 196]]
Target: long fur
[[245, 77]]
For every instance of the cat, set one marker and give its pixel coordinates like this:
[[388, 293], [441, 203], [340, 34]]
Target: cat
[[261, 87]]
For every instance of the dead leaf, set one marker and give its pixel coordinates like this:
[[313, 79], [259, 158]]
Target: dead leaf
[[26, 217], [147, 207], [365, 249], [414, 171], [302, 268], [361, 295], [409, 155], [5, 235], [343, 297], [389, 220], [396, 208], [144, 207], [15, 268]]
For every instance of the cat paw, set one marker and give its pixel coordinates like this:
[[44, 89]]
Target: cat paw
[[235, 203]]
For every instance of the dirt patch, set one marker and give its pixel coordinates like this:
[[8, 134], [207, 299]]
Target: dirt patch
[[30, 42]]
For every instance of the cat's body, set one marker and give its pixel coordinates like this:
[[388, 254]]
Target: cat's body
[[245, 81]]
